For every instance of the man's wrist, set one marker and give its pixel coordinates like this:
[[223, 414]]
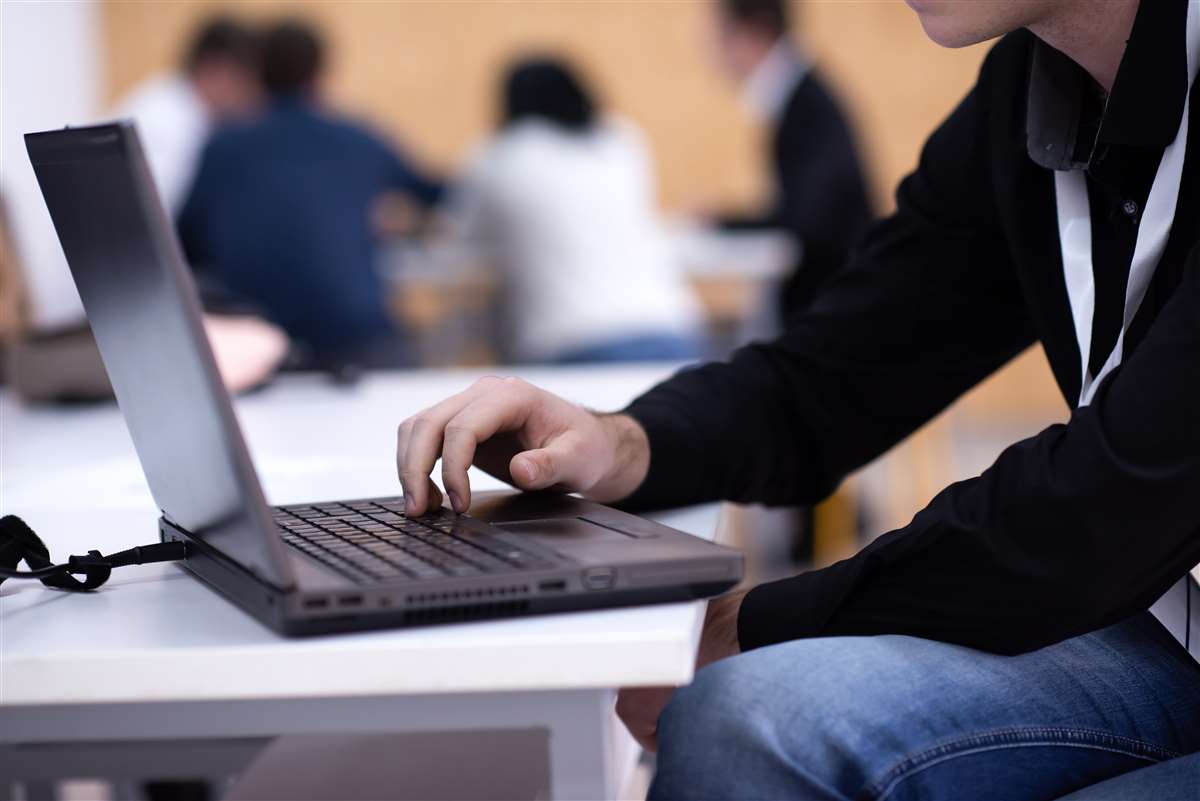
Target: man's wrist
[[630, 460], [720, 637]]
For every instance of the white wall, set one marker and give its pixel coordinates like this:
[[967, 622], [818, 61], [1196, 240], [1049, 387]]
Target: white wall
[[50, 76]]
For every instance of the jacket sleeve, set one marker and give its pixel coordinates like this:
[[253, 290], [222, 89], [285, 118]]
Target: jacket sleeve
[[1069, 531], [929, 306], [821, 198]]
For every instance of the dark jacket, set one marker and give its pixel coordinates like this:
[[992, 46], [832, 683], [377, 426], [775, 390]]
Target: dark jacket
[[1068, 531], [279, 215], [820, 192]]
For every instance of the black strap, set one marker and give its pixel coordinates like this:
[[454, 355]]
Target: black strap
[[18, 542]]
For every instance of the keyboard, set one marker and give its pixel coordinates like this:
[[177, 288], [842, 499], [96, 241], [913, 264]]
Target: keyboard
[[371, 541]]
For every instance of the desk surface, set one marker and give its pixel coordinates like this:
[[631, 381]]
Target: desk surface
[[155, 634]]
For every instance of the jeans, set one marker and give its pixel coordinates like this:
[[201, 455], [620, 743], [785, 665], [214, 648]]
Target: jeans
[[902, 718], [642, 348]]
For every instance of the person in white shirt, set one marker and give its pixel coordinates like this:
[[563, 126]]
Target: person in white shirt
[[175, 113], [562, 202]]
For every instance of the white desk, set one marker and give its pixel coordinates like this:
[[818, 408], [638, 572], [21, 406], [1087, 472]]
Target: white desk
[[154, 654]]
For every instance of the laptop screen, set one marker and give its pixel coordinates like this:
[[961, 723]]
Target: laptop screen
[[141, 303]]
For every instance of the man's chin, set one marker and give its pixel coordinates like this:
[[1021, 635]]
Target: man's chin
[[946, 33], [959, 24]]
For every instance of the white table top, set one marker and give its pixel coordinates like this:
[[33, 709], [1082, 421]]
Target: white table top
[[155, 634]]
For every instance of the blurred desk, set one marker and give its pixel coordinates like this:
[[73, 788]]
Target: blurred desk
[[449, 297], [154, 655]]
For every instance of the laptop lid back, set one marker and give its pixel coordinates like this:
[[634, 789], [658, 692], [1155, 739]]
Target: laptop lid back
[[142, 305]]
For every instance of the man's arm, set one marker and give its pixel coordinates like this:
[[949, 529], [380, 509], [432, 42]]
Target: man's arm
[[928, 308], [1069, 531]]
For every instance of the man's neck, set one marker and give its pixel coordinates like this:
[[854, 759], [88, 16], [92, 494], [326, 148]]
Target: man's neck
[[1091, 34]]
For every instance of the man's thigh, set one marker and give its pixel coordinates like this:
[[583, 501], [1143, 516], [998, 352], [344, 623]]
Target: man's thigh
[[899, 717], [1174, 780]]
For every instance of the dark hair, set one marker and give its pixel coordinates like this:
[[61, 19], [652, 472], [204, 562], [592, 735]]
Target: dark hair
[[221, 38], [769, 16], [547, 89], [292, 57]]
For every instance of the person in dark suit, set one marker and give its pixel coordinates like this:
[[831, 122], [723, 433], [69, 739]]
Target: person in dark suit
[[820, 192], [280, 214]]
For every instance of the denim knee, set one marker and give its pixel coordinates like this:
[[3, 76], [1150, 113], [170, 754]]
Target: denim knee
[[717, 740]]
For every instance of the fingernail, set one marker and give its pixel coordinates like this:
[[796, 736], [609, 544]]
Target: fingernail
[[531, 470], [455, 502]]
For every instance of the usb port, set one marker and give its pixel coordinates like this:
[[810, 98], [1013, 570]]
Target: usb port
[[557, 585], [350, 600], [316, 603], [599, 578]]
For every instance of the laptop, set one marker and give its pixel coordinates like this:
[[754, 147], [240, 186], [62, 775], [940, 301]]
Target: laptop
[[325, 566]]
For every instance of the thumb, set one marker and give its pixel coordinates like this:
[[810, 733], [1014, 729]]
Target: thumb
[[539, 468]]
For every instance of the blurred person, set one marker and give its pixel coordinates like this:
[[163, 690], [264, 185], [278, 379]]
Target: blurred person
[[1001, 644], [820, 193], [562, 200], [280, 212], [216, 82], [63, 363]]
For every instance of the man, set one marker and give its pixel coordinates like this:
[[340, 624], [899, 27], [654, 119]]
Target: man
[[217, 82], [1017, 659], [280, 213], [820, 194]]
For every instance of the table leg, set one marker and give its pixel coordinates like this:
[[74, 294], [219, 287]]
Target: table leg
[[582, 764]]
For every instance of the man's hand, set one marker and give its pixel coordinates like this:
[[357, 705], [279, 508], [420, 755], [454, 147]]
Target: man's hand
[[640, 707], [522, 435]]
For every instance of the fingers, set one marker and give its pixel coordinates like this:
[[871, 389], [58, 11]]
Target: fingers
[[418, 442], [564, 460], [473, 425], [453, 429], [539, 468]]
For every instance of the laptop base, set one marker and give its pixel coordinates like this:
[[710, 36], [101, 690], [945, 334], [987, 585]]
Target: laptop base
[[279, 608]]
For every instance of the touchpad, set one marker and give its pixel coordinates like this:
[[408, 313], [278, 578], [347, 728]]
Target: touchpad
[[564, 531], [569, 535]]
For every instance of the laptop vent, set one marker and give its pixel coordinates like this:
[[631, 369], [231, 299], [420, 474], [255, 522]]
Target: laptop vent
[[457, 596], [445, 614]]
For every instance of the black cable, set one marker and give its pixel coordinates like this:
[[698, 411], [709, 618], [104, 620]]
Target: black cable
[[140, 555], [18, 542], [41, 573]]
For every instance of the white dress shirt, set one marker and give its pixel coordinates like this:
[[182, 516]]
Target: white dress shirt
[[769, 86]]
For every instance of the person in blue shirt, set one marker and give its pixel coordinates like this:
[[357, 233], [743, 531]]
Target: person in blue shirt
[[279, 214]]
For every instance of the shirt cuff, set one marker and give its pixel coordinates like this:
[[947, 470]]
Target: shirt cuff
[[792, 608], [757, 624]]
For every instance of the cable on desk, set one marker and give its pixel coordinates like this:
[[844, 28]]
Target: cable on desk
[[18, 542]]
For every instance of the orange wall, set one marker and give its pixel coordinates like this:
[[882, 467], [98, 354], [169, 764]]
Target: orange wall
[[426, 73]]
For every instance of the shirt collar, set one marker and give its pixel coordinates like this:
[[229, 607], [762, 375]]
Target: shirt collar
[[1143, 110], [770, 84]]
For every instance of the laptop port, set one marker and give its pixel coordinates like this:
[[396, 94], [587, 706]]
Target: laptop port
[[350, 600], [316, 603], [557, 585], [599, 578]]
